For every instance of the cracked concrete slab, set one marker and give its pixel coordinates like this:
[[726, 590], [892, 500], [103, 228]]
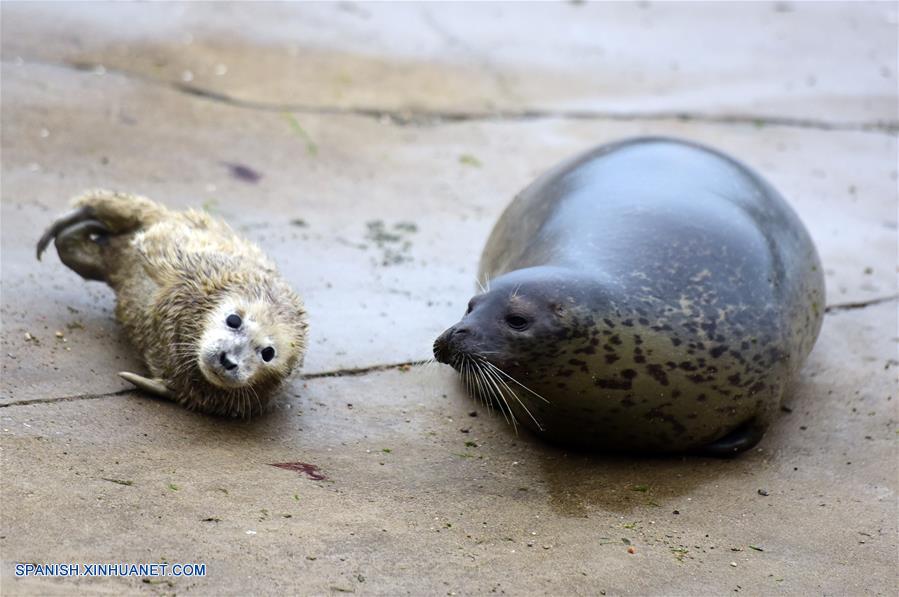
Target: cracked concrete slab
[[331, 194], [830, 62], [423, 498], [376, 210]]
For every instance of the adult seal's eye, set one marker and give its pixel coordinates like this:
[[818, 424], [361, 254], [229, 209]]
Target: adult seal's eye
[[268, 353], [517, 322], [234, 321]]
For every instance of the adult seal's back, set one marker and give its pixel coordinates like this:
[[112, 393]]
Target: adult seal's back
[[650, 295]]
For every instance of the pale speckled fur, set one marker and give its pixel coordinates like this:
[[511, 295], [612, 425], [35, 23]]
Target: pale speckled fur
[[171, 271]]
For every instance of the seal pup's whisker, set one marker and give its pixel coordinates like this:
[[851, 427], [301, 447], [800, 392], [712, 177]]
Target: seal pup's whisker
[[245, 408], [239, 409], [255, 395]]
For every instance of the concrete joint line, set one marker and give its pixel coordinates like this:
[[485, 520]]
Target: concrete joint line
[[362, 370], [354, 372], [319, 375], [5, 404], [423, 118], [840, 307]]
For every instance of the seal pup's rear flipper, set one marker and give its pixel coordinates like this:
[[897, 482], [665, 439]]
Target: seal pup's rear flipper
[[156, 386], [70, 218], [81, 248]]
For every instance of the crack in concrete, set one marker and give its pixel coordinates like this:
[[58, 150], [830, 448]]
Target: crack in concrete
[[353, 372], [419, 117], [349, 372], [26, 401], [840, 307], [405, 365]]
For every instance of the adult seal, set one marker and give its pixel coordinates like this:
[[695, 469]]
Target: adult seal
[[650, 295]]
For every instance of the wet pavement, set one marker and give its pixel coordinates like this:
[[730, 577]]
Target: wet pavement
[[369, 149]]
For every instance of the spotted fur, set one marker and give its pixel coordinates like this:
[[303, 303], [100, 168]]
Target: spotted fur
[[171, 271], [674, 297]]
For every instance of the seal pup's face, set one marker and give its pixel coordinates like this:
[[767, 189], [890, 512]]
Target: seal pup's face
[[247, 341]]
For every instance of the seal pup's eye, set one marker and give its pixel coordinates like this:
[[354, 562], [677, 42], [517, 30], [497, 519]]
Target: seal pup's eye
[[517, 322], [234, 321], [268, 353]]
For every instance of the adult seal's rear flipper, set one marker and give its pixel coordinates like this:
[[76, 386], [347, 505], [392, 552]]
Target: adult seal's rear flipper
[[157, 386], [743, 438]]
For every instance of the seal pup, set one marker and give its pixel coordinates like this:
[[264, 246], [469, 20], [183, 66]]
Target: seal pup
[[650, 295], [215, 323]]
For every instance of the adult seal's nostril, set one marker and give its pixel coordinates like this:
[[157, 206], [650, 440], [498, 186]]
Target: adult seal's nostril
[[227, 363], [441, 347]]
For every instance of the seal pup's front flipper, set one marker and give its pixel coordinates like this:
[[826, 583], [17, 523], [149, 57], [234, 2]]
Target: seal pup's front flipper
[[156, 386]]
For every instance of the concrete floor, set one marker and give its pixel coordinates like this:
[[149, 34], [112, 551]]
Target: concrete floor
[[358, 116]]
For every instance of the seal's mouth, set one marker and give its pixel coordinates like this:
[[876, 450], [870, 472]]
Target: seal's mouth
[[488, 383], [454, 346], [219, 374], [457, 346]]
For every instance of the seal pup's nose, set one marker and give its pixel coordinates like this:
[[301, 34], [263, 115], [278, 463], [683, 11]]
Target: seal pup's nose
[[227, 363]]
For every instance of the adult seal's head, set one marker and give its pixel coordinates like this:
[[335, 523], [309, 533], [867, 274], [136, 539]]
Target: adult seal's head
[[651, 295], [522, 318], [507, 345]]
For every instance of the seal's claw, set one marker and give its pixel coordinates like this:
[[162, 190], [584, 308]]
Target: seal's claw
[[73, 217], [157, 386]]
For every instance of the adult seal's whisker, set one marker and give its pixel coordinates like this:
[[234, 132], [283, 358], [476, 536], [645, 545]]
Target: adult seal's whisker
[[493, 370], [518, 383], [503, 384], [496, 391]]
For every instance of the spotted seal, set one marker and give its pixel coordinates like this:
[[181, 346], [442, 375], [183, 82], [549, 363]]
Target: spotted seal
[[218, 327], [649, 295]]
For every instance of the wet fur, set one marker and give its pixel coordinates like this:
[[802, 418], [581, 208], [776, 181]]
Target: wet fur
[[169, 271]]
